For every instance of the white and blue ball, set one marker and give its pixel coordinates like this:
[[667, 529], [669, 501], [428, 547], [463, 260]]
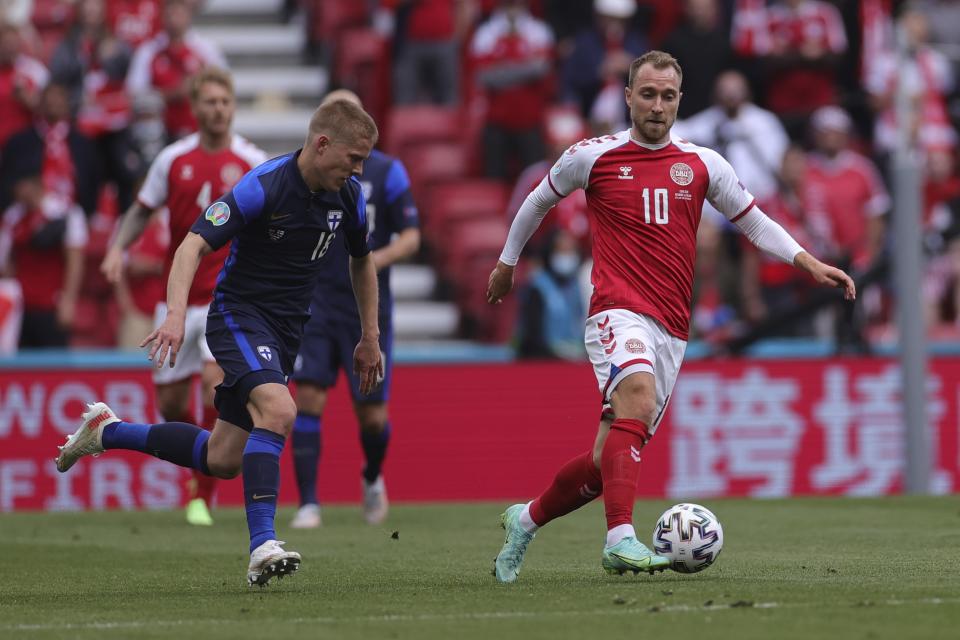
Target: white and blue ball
[[690, 535]]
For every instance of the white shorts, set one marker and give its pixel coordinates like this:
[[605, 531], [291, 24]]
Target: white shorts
[[193, 352], [621, 342]]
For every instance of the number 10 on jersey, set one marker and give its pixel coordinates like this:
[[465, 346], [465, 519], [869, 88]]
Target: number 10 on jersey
[[660, 199]]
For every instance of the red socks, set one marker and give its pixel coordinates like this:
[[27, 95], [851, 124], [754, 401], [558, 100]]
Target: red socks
[[577, 483], [620, 468]]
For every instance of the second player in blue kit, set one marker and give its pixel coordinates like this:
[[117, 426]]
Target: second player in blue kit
[[333, 331]]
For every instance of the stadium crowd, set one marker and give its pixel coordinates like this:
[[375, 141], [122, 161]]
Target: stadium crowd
[[478, 98]]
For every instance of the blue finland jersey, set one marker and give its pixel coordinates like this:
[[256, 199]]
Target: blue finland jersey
[[389, 209], [280, 231]]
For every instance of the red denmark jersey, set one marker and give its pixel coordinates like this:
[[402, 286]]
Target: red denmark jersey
[[187, 178], [644, 206]]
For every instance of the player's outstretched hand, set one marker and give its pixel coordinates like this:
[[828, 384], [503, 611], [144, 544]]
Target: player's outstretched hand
[[112, 265], [368, 364], [500, 283], [827, 275], [166, 340]]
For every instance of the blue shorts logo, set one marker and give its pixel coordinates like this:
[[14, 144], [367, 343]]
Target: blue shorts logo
[[265, 353], [218, 213], [334, 218]]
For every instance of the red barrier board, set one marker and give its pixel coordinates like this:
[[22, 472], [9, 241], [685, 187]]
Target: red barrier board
[[500, 431]]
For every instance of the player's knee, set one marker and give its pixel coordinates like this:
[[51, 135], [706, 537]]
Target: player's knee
[[223, 467], [280, 417]]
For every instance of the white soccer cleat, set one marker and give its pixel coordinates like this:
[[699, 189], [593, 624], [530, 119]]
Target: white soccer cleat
[[375, 503], [270, 560], [308, 517], [88, 439]]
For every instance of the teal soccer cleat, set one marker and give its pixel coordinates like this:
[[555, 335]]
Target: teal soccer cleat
[[506, 566], [632, 555]]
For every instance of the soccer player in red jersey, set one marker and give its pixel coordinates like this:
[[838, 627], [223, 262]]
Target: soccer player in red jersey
[[645, 192], [186, 177]]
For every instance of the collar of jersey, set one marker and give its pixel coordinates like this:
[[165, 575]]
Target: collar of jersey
[[651, 147]]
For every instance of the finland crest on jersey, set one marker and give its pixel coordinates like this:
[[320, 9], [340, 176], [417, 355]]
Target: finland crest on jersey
[[334, 218], [265, 353]]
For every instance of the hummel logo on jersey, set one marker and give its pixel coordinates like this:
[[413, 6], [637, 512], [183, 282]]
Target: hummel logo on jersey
[[266, 495], [625, 173], [265, 353], [186, 172], [634, 453], [99, 420]]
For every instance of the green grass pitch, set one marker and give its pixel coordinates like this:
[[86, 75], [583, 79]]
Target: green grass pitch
[[802, 568]]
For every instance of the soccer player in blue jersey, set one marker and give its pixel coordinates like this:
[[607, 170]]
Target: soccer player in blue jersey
[[334, 328], [281, 217]]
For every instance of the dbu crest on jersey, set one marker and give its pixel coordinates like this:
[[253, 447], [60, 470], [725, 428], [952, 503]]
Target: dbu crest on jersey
[[681, 173], [334, 218], [265, 353], [218, 213]]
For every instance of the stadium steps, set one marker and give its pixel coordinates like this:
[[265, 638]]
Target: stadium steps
[[276, 95]]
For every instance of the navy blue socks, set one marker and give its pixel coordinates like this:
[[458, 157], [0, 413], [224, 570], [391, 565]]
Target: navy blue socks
[[307, 444], [375, 450], [177, 442], [261, 483]]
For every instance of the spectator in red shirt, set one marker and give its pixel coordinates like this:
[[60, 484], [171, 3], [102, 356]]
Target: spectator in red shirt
[[134, 21], [43, 236], [52, 148], [21, 79], [93, 64], [844, 191], [512, 51], [426, 49], [166, 63], [769, 286], [806, 39]]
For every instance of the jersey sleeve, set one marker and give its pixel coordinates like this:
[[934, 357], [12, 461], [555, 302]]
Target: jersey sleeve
[[570, 172], [153, 193], [725, 191], [355, 234], [401, 210], [225, 218]]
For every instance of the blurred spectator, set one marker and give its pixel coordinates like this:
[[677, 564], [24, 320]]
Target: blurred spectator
[[702, 47], [21, 79], [750, 138], [52, 148], [45, 234], [426, 48], [512, 51], [552, 313], [927, 78], [142, 285], [134, 21], [771, 287], [941, 292], [594, 74], [844, 191], [166, 63], [564, 127], [93, 64], [806, 41], [943, 18]]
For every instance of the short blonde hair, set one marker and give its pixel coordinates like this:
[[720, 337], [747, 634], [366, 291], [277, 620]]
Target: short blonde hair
[[659, 60], [210, 74], [342, 119]]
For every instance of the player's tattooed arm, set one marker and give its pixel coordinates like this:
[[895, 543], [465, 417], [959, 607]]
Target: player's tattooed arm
[[169, 337], [132, 224]]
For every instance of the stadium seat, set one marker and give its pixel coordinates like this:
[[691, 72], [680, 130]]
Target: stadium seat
[[432, 164], [410, 126], [447, 204], [471, 244], [361, 64]]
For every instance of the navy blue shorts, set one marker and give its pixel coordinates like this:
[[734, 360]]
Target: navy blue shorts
[[251, 352], [328, 347]]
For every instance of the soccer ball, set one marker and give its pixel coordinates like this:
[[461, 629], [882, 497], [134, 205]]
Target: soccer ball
[[690, 535]]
